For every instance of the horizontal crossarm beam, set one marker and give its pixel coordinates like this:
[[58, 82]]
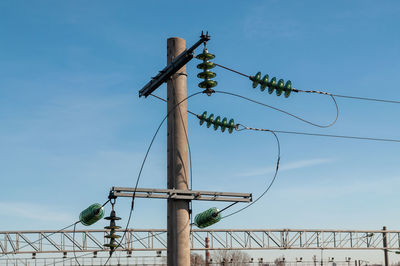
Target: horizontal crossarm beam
[[180, 194]]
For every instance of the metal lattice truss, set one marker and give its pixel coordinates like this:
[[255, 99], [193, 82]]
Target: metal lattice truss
[[19, 242]]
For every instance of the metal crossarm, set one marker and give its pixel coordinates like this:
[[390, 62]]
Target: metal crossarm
[[180, 194], [172, 68]]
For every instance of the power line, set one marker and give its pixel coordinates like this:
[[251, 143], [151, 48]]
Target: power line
[[285, 112], [319, 92], [144, 161], [302, 133], [337, 136], [319, 135], [5, 254], [73, 244], [270, 184], [230, 69], [155, 96], [366, 99]]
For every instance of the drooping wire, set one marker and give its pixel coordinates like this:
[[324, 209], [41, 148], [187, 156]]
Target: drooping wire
[[349, 97], [60, 261], [285, 112], [73, 243], [270, 184], [190, 161], [5, 254], [325, 135], [155, 96], [319, 92], [190, 157], [73, 233], [143, 163], [62, 229], [86, 254]]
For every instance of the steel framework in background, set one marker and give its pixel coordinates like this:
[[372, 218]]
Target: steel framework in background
[[152, 260], [66, 241]]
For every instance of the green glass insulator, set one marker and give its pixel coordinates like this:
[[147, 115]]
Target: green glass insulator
[[207, 84], [205, 56], [210, 120], [112, 227], [203, 118], [206, 65], [288, 88], [217, 122], [111, 245], [112, 236], [280, 86], [224, 124], [231, 125], [114, 218], [256, 79], [207, 218], [206, 75], [91, 214], [272, 85], [264, 82]]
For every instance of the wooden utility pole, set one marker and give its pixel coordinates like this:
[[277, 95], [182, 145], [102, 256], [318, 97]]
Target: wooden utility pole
[[178, 222], [177, 193]]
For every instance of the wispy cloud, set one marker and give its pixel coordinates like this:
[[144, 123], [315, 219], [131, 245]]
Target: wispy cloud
[[35, 212], [257, 25], [285, 167]]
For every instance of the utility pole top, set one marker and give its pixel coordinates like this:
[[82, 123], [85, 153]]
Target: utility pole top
[[173, 66]]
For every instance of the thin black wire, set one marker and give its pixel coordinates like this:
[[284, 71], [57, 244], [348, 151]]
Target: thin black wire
[[366, 99], [326, 135], [73, 234], [227, 207], [190, 158], [285, 112], [146, 237], [83, 255], [347, 96], [73, 243], [272, 181], [143, 163], [230, 69], [105, 203], [86, 254], [319, 92], [155, 96], [5, 254]]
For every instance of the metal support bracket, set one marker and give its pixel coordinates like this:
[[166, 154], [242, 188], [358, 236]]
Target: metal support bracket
[[180, 194], [172, 68]]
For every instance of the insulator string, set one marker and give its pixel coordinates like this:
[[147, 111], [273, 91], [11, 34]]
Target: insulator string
[[320, 92]]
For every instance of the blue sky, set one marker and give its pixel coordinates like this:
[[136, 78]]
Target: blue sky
[[72, 124]]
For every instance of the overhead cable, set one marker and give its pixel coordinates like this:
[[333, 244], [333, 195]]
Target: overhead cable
[[319, 92]]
